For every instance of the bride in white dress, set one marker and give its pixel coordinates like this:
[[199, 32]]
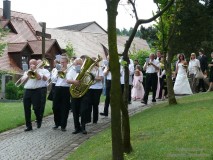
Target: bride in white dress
[[181, 85]]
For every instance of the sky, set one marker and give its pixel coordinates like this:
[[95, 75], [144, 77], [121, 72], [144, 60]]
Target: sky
[[58, 13]]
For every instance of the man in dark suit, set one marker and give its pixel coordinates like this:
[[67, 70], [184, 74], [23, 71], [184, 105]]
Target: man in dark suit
[[203, 66]]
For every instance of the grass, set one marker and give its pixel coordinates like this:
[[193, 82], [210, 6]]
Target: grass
[[163, 132], [12, 114]]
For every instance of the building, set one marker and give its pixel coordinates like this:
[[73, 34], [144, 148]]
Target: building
[[22, 41], [91, 39]]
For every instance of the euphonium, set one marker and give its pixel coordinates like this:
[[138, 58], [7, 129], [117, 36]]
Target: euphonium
[[32, 74], [85, 77]]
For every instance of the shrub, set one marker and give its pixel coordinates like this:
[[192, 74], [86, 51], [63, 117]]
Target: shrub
[[11, 91]]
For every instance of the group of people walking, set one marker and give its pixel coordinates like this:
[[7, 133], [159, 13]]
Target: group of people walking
[[62, 76], [85, 108]]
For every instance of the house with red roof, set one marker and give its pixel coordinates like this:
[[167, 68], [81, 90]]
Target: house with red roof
[[22, 42]]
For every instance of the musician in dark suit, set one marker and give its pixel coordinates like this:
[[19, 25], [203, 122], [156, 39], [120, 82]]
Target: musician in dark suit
[[79, 105], [61, 97], [32, 95], [203, 66]]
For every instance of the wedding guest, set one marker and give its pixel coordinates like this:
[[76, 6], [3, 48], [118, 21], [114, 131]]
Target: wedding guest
[[194, 65], [204, 66], [137, 89], [151, 66], [211, 74]]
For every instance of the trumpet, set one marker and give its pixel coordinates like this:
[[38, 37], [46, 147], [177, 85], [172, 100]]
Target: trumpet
[[30, 73]]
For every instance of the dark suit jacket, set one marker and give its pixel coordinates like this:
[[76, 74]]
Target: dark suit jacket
[[203, 63]]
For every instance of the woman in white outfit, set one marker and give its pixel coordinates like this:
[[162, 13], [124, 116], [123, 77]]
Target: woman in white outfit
[[181, 85]]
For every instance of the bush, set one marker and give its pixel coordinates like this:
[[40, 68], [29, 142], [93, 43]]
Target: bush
[[11, 91], [141, 56]]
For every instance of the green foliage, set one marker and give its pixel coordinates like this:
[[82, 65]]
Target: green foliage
[[163, 132], [70, 50], [13, 92], [141, 56], [125, 32], [149, 34], [191, 24]]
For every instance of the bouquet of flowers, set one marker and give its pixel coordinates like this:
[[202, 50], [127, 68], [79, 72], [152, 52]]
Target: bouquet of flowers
[[185, 65]]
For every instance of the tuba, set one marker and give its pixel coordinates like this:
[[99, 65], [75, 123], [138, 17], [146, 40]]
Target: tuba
[[85, 77]]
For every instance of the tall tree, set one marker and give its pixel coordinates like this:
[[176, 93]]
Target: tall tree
[[115, 93], [116, 102]]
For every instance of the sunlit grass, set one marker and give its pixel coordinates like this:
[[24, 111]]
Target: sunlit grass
[[182, 131], [12, 114]]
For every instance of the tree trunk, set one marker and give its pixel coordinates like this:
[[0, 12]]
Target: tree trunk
[[115, 93], [127, 147], [171, 94]]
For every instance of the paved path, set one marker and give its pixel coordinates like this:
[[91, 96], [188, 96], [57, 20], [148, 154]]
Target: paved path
[[48, 144]]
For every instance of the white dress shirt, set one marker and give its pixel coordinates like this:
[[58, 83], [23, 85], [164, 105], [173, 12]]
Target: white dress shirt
[[32, 83], [46, 73], [151, 68], [193, 66], [71, 75], [97, 73]]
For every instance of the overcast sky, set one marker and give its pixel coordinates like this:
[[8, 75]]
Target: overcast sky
[[58, 13]]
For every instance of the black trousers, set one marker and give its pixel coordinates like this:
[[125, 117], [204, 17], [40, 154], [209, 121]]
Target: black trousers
[[107, 99], [80, 108], [32, 97], [129, 93], [151, 82], [43, 100], [201, 84], [94, 100], [61, 105]]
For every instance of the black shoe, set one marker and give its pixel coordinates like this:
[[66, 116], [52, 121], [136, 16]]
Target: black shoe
[[154, 100], [95, 122], [103, 114], [55, 127], [76, 131], [129, 102], [84, 131], [63, 129], [38, 124], [144, 102], [28, 129]]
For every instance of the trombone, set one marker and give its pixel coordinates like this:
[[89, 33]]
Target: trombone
[[30, 73]]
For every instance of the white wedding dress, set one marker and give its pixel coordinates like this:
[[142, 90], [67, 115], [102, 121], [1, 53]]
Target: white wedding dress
[[181, 85]]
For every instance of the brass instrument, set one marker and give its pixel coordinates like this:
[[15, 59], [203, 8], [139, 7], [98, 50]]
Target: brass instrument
[[85, 77], [61, 74], [31, 74]]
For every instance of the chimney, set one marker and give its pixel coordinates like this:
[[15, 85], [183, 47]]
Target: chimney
[[6, 9]]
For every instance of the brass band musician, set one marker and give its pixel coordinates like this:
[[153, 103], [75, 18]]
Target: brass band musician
[[32, 95], [61, 97]]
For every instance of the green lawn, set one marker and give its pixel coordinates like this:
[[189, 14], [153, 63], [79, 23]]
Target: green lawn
[[12, 114], [180, 132]]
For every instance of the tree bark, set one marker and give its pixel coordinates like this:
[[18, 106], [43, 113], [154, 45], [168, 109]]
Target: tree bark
[[115, 93], [127, 147]]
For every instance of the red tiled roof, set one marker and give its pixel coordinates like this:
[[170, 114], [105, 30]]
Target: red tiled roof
[[7, 64], [36, 45], [16, 47], [24, 16]]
